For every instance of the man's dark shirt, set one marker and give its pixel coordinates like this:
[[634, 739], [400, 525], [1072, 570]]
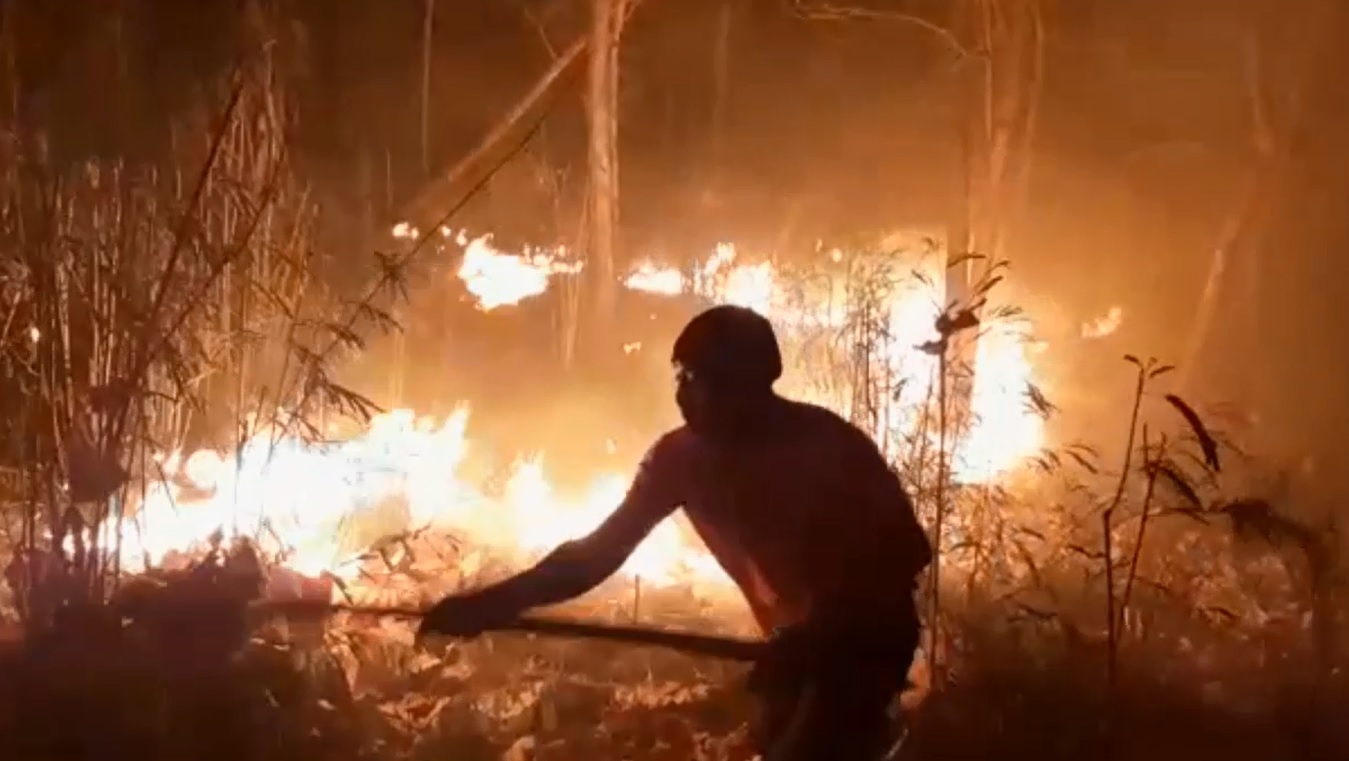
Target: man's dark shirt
[[814, 519]]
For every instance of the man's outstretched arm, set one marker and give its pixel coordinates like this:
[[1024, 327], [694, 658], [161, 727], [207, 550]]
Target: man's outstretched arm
[[580, 565]]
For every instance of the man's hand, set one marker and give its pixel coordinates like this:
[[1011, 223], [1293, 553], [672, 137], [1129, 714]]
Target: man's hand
[[467, 616]]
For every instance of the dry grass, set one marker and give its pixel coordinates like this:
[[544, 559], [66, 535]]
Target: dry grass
[[1147, 607], [180, 679], [145, 309], [1210, 634]]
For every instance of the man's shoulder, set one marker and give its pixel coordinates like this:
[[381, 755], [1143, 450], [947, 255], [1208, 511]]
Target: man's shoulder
[[668, 465], [675, 446], [817, 414], [675, 438]]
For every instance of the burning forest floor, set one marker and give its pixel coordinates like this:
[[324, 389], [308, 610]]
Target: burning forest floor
[[1222, 642], [148, 315], [1225, 647], [1072, 623], [195, 663]]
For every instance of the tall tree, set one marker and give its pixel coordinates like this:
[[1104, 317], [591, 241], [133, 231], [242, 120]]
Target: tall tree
[[607, 18], [428, 33], [1000, 95], [1000, 44], [721, 93], [1283, 54], [1000, 50]]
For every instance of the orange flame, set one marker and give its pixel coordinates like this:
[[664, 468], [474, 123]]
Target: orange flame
[[294, 497]]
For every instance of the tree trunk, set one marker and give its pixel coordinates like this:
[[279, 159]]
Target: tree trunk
[[999, 91], [1231, 290], [721, 94], [9, 67], [442, 194], [1000, 88], [428, 26], [602, 123]]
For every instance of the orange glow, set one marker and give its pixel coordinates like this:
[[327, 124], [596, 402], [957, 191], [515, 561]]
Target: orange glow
[[294, 496]]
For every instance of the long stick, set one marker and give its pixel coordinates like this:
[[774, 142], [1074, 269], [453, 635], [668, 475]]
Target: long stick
[[727, 648]]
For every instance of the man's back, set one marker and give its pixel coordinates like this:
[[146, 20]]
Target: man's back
[[807, 515]]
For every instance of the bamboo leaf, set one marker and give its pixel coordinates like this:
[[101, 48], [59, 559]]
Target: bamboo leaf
[[1168, 473], [1206, 441]]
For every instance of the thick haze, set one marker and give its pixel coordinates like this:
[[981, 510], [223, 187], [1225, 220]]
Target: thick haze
[[1145, 147]]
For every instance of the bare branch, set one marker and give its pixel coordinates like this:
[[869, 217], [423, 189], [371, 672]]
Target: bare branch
[[535, 21], [821, 11], [1262, 131]]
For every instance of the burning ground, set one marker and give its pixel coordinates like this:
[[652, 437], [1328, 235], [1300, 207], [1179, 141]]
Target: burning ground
[[385, 512], [316, 504], [186, 444]]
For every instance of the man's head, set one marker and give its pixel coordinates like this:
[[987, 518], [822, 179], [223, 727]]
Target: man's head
[[726, 360]]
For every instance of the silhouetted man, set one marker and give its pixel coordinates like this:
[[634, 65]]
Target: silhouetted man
[[804, 514]]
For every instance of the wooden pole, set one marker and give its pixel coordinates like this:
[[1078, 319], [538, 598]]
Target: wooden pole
[[428, 25]]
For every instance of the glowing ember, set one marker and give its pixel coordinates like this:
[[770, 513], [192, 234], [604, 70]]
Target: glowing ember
[[1104, 325], [497, 278], [666, 281]]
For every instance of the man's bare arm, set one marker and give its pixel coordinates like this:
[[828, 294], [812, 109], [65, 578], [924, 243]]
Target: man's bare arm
[[578, 566]]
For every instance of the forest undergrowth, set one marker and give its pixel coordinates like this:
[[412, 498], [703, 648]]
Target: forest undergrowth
[[1165, 603]]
